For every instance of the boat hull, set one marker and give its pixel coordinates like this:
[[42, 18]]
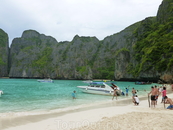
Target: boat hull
[[99, 91]]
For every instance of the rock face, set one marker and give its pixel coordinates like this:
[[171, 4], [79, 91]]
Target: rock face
[[31, 55], [126, 55], [122, 44], [35, 55], [4, 52], [165, 11]]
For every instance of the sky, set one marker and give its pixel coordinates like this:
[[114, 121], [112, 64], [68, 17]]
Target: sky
[[63, 19]]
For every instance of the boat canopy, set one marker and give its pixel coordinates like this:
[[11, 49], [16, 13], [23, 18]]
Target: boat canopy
[[95, 83]]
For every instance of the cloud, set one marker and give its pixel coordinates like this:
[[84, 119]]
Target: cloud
[[63, 19]]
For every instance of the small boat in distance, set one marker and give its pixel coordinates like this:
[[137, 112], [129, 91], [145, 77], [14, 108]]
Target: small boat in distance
[[87, 81], [100, 88], [46, 81], [143, 83]]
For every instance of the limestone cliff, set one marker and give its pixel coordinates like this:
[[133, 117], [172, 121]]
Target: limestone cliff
[[35, 55], [142, 51], [153, 48], [4, 51], [31, 55], [165, 11]]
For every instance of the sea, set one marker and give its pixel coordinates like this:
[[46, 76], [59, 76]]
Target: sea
[[31, 96]]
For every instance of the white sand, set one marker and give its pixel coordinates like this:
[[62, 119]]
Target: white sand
[[112, 117]]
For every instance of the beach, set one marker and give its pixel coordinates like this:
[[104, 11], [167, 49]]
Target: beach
[[114, 115]]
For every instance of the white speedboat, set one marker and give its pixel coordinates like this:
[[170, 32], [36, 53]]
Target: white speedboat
[[46, 80], [100, 88]]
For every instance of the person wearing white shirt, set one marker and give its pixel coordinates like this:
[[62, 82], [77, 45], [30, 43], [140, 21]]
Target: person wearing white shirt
[[136, 100]]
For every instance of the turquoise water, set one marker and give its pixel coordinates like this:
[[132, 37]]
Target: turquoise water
[[22, 95]]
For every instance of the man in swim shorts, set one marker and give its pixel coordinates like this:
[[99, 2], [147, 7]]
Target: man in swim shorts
[[169, 101], [153, 96]]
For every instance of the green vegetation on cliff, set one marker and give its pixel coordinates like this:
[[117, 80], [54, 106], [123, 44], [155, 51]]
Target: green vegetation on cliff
[[3, 38], [43, 62], [1, 61], [154, 47], [106, 72], [4, 50], [122, 50]]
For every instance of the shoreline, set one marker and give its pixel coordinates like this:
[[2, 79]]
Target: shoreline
[[113, 80], [22, 118], [78, 117]]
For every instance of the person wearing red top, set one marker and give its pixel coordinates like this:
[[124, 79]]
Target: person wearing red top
[[163, 93]]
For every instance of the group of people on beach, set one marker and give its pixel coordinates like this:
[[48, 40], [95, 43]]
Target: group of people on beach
[[156, 92], [135, 98], [134, 94]]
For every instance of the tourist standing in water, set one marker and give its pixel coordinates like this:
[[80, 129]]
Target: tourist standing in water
[[127, 90], [115, 93], [74, 95]]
